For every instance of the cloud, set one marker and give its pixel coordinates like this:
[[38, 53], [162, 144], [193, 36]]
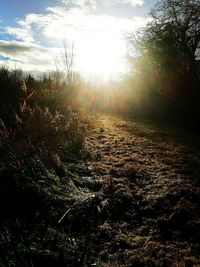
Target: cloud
[[93, 4], [62, 23], [38, 36], [27, 55], [21, 33], [27, 27], [131, 2]]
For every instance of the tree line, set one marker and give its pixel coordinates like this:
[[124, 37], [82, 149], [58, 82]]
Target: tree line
[[164, 57]]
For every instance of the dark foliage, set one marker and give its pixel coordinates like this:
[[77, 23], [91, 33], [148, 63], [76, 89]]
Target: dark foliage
[[39, 134], [165, 71]]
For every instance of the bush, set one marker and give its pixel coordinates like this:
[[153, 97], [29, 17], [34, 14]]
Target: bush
[[38, 133], [12, 92]]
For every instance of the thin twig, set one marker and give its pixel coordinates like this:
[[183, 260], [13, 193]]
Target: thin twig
[[146, 242], [64, 215], [76, 203]]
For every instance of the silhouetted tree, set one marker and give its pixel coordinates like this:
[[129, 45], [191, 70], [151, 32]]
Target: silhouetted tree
[[169, 45], [164, 56]]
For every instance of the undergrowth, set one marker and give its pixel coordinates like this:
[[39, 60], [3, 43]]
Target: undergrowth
[[36, 143]]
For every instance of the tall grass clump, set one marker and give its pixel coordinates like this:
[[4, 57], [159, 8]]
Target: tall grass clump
[[39, 134]]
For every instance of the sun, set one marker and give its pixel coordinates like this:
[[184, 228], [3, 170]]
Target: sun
[[102, 54]]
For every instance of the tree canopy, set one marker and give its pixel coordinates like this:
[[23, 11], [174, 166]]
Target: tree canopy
[[170, 42], [165, 58]]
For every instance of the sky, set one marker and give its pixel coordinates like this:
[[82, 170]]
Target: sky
[[33, 33]]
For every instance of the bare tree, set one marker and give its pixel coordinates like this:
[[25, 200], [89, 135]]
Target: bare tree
[[66, 61]]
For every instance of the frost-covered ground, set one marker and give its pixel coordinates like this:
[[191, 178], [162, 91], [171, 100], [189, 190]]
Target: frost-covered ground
[[132, 201], [149, 197]]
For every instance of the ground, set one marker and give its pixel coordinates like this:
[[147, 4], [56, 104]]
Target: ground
[[144, 185]]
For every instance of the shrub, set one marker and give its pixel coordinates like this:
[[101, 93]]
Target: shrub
[[34, 140]]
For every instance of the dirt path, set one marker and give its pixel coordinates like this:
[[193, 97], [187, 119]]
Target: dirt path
[[149, 196]]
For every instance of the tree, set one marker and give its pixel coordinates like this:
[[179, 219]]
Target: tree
[[170, 42], [165, 60], [66, 61]]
